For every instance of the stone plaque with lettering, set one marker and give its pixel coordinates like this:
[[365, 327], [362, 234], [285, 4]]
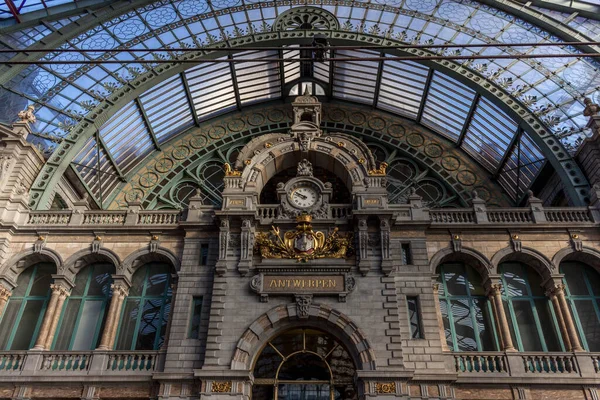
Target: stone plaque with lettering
[[317, 285]]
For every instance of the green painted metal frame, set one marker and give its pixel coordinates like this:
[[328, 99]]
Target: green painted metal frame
[[24, 300], [574, 180], [571, 299], [508, 301], [196, 301], [83, 298], [448, 298], [142, 299]]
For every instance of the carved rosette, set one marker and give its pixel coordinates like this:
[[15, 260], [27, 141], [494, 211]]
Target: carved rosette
[[385, 387]]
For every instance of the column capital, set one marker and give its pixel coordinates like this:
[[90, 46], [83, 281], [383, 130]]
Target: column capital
[[60, 290], [119, 289], [555, 290], [5, 293], [494, 289]]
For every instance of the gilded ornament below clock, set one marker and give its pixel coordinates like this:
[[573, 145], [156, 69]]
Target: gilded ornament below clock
[[379, 171], [303, 244], [221, 387]]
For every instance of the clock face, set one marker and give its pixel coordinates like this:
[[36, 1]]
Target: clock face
[[304, 197]]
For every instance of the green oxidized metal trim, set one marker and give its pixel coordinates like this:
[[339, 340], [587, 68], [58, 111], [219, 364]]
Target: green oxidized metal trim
[[575, 182]]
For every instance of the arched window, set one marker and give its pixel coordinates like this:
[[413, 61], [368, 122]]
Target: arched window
[[146, 310], [466, 311], [83, 314], [304, 364], [25, 309], [583, 294], [530, 316]]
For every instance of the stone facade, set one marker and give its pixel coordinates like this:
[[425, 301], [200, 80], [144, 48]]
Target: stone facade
[[238, 318]]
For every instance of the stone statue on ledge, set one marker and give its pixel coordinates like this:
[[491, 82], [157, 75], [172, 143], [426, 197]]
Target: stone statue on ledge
[[591, 108], [27, 115]]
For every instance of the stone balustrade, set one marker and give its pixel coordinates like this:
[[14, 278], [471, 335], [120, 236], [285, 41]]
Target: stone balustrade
[[75, 363], [527, 364], [267, 213]]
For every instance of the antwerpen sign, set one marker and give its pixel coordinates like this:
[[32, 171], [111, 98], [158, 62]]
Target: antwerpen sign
[[318, 285]]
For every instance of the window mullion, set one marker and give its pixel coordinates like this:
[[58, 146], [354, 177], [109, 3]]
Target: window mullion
[[536, 319]]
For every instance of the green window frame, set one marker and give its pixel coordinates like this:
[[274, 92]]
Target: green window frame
[[582, 291], [87, 304], [146, 310], [468, 311], [27, 302], [195, 318], [530, 313]]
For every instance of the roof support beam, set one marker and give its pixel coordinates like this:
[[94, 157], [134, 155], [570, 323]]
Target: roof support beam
[[331, 73], [147, 123], [102, 144], [236, 88], [465, 127], [378, 81], [514, 141], [425, 94], [190, 100]]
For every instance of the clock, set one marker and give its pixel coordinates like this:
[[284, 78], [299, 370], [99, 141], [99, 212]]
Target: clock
[[304, 196]]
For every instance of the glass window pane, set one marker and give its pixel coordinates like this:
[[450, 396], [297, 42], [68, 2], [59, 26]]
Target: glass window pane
[[526, 324], [515, 282], [194, 332], [128, 322], [589, 323], [101, 280], [485, 324], [547, 324], [67, 326], [26, 325], [446, 320], [158, 279], [574, 275], [149, 325], [22, 283], [42, 279], [9, 318], [463, 325], [87, 328], [414, 317], [454, 275]]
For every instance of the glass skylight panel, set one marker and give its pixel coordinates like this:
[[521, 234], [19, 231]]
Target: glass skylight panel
[[447, 106], [489, 134], [127, 137], [355, 80], [402, 86], [257, 81], [95, 169], [167, 108], [211, 86], [523, 165], [291, 70]]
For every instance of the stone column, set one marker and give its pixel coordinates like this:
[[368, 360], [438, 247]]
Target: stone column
[[561, 320], [438, 311], [4, 295], [561, 302], [120, 291], [52, 315], [495, 296]]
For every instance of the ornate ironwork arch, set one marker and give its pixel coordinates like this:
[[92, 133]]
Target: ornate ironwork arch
[[575, 182]]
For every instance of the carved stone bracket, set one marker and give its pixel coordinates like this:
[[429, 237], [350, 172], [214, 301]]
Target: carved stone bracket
[[456, 242], [576, 241], [515, 241], [387, 265], [303, 302], [96, 244], [40, 243], [246, 246], [154, 243], [224, 236], [363, 247]]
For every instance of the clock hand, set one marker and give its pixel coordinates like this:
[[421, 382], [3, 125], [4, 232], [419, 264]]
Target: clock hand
[[301, 196]]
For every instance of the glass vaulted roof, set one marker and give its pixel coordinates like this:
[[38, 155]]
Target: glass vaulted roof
[[552, 88]]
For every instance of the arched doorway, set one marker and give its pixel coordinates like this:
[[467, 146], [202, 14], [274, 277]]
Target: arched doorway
[[304, 364]]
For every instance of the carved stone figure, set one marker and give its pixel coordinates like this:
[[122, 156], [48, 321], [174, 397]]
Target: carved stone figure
[[27, 115], [5, 162], [303, 303], [591, 108], [304, 168]]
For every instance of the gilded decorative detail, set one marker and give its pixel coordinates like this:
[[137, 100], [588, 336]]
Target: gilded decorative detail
[[303, 244], [379, 171], [4, 294], [221, 387], [385, 387], [230, 171]]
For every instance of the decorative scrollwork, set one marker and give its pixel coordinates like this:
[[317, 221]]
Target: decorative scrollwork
[[385, 387], [303, 244], [221, 387]]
